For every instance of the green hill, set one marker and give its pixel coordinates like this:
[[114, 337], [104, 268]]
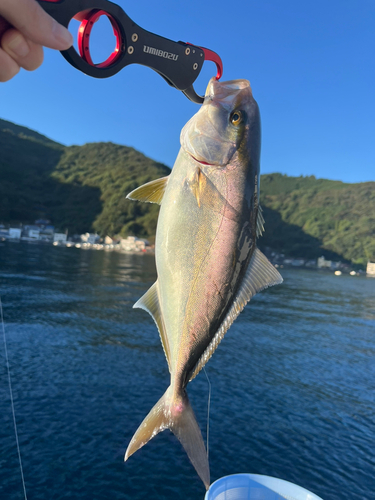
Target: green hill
[[79, 188], [341, 217], [83, 188], [115, 171]]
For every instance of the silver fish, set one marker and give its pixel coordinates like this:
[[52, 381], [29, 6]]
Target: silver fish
[[207, 261]]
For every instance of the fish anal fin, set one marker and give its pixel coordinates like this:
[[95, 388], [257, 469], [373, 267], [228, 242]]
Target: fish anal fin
[[259, 275], [260, 222], [150, 302], [152, 192]]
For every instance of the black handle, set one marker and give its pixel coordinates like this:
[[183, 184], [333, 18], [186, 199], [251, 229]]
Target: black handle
[[177, 62]]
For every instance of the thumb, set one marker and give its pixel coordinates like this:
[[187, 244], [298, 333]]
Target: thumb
[[28, 17]]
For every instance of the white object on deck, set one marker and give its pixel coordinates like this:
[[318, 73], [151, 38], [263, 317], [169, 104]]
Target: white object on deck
[[256, 487]]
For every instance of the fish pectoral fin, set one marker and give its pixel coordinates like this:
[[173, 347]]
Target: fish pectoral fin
[[174, 412], [260, 222], [208, 196], [259, 275], [152, 192], [150, 302], [197, 185]]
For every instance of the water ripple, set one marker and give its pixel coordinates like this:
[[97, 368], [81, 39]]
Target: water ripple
[[292, 383]]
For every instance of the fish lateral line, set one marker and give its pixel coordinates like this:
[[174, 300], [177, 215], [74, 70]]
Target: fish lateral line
[[259, 275]]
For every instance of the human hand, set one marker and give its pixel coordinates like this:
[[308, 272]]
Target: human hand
[[24, 29]]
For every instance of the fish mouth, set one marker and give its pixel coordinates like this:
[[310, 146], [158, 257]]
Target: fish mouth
[[202, 162]]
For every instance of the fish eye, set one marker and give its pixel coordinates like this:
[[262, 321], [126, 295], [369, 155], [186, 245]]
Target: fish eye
[[236, 118]]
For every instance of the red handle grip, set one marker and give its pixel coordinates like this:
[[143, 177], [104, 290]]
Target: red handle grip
[[87, 18], [84, 33]]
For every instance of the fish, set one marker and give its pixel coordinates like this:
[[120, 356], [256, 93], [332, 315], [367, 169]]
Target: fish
[[208, 264]]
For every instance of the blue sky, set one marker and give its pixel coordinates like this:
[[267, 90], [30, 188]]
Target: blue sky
[[310, 64]]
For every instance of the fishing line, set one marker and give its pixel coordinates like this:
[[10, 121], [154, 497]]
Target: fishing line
[[208, 408], [11, 399]]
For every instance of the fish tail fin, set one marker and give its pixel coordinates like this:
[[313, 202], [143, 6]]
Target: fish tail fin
[[174, 412]]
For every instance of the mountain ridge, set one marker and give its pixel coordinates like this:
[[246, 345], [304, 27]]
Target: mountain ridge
[[83, 188]]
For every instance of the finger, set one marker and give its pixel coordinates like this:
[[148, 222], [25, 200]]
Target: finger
[[8, 67], [26, 54], [34, 58], [80, 16], [35, 24]]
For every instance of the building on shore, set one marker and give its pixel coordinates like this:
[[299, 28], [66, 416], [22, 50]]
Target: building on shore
[[31, 232], [328, 264], [90, 238], [133, 244], [60, 238], [109, 241], [15, 233], [370, 269], [323, 263]]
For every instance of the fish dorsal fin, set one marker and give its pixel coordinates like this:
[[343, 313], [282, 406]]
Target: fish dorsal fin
[[260, 222], [260, 274], [150, 302], [152, 192]]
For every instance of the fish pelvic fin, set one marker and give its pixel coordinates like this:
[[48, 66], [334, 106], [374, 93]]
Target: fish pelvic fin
[[150, 302], [260, 274], [173, 411], [152, 192]]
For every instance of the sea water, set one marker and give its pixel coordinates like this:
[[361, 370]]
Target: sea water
[[292, 382]]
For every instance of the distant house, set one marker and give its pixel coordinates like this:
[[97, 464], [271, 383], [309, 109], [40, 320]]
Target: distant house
[[110, 241], [133, 244], [59, 238], [46, 230], [370, 269], [31, 233], [323, 263], [15, 233], [90, 238], [287, 262], [34, 234], [335, 265], [311, 263], [46, 233], [298, 262], [328, 264]]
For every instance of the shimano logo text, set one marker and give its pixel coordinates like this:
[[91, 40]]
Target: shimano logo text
[[159, 53]]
